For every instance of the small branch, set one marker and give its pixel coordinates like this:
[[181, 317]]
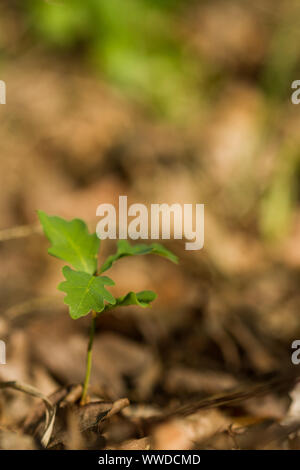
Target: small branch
[[19, 232], [50, 408]]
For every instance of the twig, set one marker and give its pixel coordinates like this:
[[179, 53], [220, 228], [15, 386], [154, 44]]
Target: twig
[[50, 408], [21, 231]]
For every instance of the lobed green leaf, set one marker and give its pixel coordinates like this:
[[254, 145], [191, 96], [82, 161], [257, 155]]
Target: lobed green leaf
[[142, 299], [71, 241], [85, 292], [125, 249]]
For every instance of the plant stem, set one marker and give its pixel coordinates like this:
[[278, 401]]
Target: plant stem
[[88, 360]]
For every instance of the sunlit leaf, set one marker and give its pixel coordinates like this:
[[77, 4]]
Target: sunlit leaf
[[71, 242], [85, 292]]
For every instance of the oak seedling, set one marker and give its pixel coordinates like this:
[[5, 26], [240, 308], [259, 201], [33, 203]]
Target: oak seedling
[[85, 285]]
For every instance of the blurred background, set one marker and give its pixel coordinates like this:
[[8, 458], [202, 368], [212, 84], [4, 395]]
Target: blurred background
[[174, 101]]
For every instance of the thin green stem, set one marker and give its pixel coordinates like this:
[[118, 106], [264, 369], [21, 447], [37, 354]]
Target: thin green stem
[[88, 360]]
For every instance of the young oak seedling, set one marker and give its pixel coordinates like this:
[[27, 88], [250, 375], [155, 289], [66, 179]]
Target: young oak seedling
[[85, 285]]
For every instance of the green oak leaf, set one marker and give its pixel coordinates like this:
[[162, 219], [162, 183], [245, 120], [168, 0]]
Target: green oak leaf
[[85, 292], [125, 249], [142, 299], [71, 241]]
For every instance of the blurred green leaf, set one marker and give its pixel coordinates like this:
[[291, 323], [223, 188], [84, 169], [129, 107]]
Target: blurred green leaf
[[133, 43], [60, 23], [282, 61], [278, 203]]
